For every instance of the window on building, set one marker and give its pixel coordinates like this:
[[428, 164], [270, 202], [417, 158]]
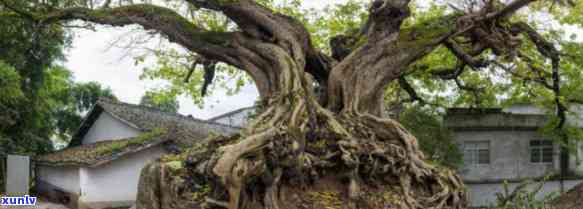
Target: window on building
[[477, 152], [541, 151]]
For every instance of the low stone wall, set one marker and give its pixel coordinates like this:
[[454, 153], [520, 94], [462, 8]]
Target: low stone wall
[[106, 205], [482, 195]]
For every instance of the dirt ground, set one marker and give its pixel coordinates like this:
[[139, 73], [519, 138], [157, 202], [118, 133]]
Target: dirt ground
[[573, 199]]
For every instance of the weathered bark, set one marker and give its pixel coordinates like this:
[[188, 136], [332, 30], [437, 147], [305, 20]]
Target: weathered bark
[[357, 83], [149, 188], [302, 151]]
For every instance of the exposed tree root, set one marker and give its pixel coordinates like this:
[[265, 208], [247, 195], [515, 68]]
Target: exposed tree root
[[348, 161]]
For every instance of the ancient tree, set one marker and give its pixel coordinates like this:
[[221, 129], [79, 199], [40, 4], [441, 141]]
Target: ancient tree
[[321, 129]]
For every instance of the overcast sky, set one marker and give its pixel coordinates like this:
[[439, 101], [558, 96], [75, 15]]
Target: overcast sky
[[91, 59]]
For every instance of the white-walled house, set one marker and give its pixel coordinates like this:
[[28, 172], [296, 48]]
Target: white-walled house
[[101, 166], [505, 145]]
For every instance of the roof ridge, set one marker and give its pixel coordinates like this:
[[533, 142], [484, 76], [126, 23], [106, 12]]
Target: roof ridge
[[93, 155], [178, 115], [230, 113], [139, 105]]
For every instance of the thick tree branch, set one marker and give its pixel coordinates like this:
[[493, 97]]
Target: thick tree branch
[[449, 73], [544, 47], [371, 67], [357, 83], [209, 4], [507, 11], [263, 24], [463, 56], [170, 24], [232, 48], [209, 67], [260, 23], [386, 17], [342, 45], [405, 85], [196, 61]]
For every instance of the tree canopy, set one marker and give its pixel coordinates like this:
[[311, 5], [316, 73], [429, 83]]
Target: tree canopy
[[166, 104], [40, 101]]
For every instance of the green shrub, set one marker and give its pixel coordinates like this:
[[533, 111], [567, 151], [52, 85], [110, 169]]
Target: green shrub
[[524, 197]]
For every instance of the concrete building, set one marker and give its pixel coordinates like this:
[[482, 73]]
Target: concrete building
[[101, 166], [505, 145]]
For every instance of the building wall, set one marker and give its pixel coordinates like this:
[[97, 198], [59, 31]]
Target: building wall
[[509, 134], [106, 127], [239, 119], [481, 195], [116, 181], [524, 109], [577, 161], [17, 174], [509, 156], [64, 178]]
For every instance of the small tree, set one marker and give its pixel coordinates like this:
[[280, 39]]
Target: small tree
[[434, 138], [161, 102]]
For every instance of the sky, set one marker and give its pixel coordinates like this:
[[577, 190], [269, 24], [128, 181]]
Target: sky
[[91, 58]]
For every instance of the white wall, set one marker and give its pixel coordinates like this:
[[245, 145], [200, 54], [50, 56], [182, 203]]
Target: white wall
[[509, 156], [485, 194], [106, 127], [117, 180], [66, 178], [239, 119], [577, 160], [17, 174], [524, 109]]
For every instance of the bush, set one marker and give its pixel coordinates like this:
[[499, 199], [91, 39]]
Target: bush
[[524, 197]]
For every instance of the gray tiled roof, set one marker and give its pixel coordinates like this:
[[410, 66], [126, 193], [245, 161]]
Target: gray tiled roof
[[492, 119], [99, 153], [234, 112], [181, 131], [146, 118]]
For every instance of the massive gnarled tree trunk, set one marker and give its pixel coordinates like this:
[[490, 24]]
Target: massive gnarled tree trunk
[[321, 140]]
